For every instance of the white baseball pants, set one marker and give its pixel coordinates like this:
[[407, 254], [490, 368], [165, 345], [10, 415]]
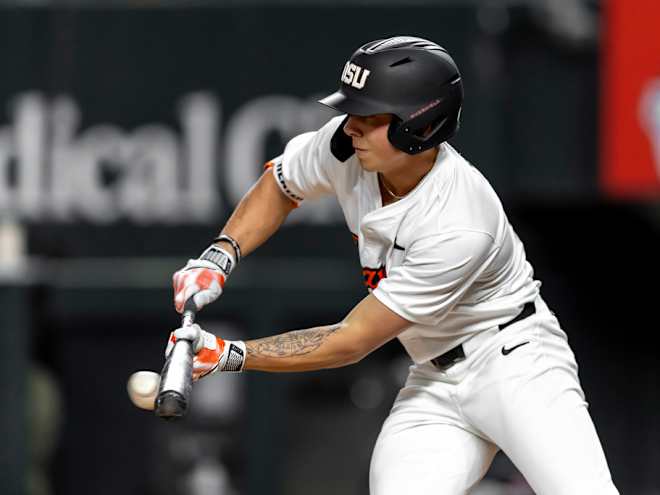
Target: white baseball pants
[[446, 426]]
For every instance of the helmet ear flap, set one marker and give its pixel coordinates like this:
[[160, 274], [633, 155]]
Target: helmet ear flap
[[431, 125], [416, 135], [402, 136]]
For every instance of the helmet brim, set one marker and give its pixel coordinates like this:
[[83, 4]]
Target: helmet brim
[[344, 104]]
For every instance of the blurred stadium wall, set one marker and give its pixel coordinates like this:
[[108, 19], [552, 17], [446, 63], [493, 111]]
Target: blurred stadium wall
[[128, 131]]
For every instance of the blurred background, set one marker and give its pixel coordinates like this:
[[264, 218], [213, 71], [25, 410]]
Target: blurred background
[[130, 129]]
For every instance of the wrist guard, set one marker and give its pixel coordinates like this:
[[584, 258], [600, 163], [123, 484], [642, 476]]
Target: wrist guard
[[219, 257], [233, 358]]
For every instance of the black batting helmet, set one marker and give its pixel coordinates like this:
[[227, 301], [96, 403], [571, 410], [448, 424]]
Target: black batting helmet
[[414, 79]]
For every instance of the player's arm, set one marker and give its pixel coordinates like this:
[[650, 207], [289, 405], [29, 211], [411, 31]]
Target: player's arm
[[304, 170], [368, 326], [258, 215]]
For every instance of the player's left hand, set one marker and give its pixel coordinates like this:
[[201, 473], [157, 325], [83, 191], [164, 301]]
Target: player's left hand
[[200, 280], [211, 353]]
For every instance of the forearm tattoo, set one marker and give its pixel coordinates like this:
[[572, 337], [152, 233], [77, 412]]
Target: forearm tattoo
[[294, 343]]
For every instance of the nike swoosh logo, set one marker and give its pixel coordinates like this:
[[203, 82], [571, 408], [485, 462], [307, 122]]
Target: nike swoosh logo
[[506, 351]]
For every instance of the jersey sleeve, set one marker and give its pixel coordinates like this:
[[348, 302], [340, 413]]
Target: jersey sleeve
[[435, 274], [307, 169]]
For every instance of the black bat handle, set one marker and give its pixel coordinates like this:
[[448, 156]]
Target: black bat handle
[[176, 378]]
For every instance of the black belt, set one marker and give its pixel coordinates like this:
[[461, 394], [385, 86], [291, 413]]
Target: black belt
[[452, 356]]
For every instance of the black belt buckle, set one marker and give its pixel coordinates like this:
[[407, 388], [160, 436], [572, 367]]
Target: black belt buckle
[[449, 358], [528, 310]]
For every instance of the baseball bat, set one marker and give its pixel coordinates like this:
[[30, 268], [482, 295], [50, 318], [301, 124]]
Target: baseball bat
[[176, 378]]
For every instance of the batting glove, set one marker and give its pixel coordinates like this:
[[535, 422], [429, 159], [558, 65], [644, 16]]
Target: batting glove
[[203, 278], [211, 353]]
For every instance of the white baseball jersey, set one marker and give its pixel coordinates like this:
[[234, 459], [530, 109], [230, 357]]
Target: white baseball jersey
[[444, 257]]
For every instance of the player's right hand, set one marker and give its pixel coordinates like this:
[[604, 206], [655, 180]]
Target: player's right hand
[[200, 279], [211, 353]]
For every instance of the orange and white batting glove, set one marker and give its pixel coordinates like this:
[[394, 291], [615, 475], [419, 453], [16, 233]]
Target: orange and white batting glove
[[211, 353], [203, 278]]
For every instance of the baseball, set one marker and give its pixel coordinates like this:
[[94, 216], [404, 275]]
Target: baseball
[[142, 388]]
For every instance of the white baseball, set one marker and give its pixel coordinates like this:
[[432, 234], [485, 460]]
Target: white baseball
[[142, 388]]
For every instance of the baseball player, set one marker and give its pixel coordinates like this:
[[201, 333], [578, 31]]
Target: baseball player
[[447, 276]]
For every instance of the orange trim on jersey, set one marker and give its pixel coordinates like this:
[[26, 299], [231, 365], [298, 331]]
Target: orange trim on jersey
[[268, 165]]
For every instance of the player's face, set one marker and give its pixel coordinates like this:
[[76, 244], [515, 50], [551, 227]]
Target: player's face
[[369, 138]]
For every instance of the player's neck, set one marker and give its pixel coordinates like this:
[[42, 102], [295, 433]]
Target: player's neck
[[399, 181]]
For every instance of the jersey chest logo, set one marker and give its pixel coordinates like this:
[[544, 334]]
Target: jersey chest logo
[[373, 276], [354, 75]]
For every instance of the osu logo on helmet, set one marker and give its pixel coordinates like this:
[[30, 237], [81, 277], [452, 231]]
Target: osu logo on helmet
[[354, 75]]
